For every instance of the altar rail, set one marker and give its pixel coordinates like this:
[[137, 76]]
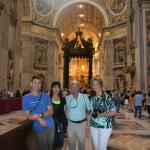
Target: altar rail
[[17, 139], [9, 105]]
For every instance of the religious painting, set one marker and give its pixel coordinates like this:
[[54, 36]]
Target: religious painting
[[117, 6], [43, 7], [40, 61], [147, 26]]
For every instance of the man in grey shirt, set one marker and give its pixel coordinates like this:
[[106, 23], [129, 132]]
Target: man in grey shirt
[[138, 104]]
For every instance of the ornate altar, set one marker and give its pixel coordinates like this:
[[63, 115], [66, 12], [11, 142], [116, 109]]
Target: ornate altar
[[78, 47]]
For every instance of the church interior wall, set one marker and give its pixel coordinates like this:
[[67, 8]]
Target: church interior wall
[[19, 38]]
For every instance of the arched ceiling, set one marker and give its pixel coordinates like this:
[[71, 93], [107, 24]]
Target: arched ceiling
[[81, 15]]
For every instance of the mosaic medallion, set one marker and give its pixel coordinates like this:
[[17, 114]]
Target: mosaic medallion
[[117, 7], [43, 7]]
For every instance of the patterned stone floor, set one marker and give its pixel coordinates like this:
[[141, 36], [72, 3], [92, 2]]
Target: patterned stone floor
[[129, 133]]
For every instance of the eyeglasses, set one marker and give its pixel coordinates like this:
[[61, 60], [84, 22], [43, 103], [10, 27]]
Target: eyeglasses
[[73, 103]]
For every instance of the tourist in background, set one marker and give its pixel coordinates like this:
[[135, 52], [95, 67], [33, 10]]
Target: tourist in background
[[148, 104], [144, 101], [117, 100], [101, 120], [126, 102], [37, 107], [17, 94], [138, 104], [59, 116], [131, 102]]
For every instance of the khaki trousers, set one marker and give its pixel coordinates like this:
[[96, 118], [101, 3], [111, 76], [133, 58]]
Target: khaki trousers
[[45, 139], [76, 132]]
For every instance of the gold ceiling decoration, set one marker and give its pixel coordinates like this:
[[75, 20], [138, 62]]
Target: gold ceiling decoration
[[86, 17]]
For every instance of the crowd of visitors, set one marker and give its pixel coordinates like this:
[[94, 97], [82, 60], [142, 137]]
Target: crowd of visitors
[[58, 113]]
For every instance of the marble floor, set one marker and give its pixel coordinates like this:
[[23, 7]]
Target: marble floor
[[129, 133]]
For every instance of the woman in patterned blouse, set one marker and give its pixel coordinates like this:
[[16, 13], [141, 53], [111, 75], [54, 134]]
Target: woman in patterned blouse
[[101, 119]]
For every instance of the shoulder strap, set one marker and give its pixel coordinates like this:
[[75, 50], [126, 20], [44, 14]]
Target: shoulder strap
[[36, 104]]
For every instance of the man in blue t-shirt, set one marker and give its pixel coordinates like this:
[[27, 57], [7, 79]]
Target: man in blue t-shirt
[[138, 104], [38, 108]]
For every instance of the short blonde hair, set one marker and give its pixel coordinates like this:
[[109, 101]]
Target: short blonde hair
[[99, 80]]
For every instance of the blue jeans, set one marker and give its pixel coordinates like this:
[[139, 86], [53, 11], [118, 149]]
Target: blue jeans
[[117, 104], [138, 109]]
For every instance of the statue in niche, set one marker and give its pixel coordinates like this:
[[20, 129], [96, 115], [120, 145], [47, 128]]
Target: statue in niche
[[41, 49], [10, 75], [120, 56], [13, 5], [26, 8], [119, 50], [120, 83]]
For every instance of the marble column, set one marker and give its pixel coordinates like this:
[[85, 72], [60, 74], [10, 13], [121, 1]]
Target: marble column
[[51, 74], [108, 73], [28, 51], [139, 55], [129, 39], [17, 68], [4, 31], [144, 8]]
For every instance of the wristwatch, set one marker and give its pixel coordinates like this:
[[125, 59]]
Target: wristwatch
[[42, 115]]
